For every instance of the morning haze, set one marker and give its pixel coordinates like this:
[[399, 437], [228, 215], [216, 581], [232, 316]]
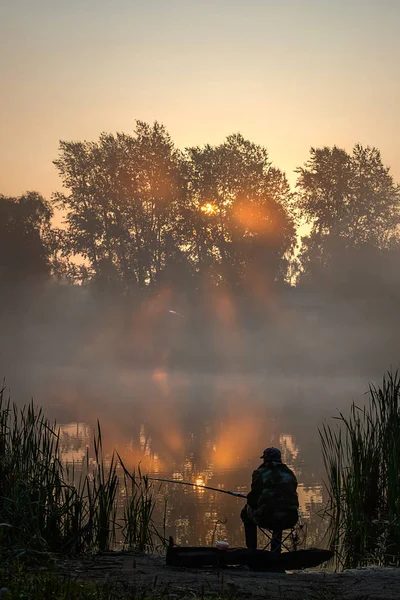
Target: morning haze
[[218, 271]]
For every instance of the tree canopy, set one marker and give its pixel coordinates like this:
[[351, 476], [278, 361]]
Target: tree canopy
[[139, 214], [24, 237], [352, 206], [137, 207]]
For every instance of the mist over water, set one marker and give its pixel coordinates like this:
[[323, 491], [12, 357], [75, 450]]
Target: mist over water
[[194, 400]]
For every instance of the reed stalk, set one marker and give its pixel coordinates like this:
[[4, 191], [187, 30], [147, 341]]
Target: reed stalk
[[49, 506], [362, 462]]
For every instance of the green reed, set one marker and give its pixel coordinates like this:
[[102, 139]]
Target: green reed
[[139, 530], [362, 461], [49, 506]]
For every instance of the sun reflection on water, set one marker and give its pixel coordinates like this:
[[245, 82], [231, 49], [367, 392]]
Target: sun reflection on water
[[215, 458]]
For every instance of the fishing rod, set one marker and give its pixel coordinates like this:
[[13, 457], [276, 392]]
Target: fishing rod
[[207, 487], [199, 485]]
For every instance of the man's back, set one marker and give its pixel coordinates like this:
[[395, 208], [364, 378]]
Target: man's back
[[273, 497]]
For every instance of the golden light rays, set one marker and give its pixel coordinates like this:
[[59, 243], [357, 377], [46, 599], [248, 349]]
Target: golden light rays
[[240, 427], [252, 217], [227, 337], [160, 378], [146, 321], [225, 309], [174, 440], [165, 413], [235, 440]]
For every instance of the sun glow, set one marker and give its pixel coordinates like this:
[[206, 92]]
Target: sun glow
[[209, 209]]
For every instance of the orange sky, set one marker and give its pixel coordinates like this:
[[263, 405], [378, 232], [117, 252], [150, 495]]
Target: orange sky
[[288, 75]]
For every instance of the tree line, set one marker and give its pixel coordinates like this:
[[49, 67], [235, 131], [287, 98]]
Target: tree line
[[139, 214]]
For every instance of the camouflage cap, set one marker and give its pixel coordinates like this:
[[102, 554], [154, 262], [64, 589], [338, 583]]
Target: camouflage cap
[[270, 454]]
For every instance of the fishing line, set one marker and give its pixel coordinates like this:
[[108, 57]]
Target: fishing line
[[199, 485]]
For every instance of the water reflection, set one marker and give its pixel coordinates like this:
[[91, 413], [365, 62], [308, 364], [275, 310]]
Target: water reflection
[[209, 427], [213, 455]]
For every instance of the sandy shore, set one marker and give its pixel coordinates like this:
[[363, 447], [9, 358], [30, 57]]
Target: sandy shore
[[149, 575]]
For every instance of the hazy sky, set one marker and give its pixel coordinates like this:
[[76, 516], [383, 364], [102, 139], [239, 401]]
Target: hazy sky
[[288, 74]]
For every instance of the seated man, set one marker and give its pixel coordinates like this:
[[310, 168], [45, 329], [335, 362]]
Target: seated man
[[272, 502]]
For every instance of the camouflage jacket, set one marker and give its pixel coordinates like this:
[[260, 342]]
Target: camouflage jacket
[[273, 495]]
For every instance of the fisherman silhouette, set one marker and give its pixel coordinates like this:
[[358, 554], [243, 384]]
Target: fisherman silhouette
[[272, 502]]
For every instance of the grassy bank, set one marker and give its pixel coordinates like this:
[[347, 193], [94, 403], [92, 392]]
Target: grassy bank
[[18, 583], [48, 506], [362, 459]]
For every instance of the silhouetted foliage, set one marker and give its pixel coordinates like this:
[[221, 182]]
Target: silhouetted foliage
[[141, 216], [352, 205], [238, 225], [122, 206], [139, 212], [24, 237]]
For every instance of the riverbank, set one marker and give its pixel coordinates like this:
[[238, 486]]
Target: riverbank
[[148, 576]]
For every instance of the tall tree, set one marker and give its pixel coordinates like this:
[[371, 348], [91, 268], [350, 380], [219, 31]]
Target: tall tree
[[24, 237], [351, 204], [238, 215], [122, 204]]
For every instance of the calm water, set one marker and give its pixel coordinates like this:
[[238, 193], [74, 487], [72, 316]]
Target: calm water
[[211, 430]]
